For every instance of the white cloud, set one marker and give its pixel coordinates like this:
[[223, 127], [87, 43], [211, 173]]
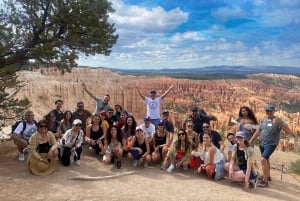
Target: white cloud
[[225, 13], [190, 35]]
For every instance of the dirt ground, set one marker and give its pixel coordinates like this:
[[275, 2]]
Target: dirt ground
[[17, 182]]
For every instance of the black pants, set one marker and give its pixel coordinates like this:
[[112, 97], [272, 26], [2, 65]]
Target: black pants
[[65, 157]]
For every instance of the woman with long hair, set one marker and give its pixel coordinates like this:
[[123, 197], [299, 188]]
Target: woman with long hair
[[246, 122], [179, 153], [115, 143], [96, 135], [66, 122], [128, 130], [213, 159]]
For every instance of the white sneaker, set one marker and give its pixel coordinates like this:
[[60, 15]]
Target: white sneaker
[[135, 163], [145, 164], [21, 156], [77, 162], [170, 168]]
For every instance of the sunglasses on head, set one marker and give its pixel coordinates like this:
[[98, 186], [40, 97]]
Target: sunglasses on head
[[43, 126], [78, 125], [181, 134]]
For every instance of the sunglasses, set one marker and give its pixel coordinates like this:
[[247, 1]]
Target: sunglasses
[[194, 110], [181, 134], [190, 126], [43, 126], [160, 124], [205, 126], [78, 125]]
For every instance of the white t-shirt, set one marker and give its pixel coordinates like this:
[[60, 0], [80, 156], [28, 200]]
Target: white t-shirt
[[148, 132], [153, 107], [30, 129]]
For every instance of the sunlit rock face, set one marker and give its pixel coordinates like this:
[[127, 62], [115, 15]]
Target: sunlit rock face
[[218, 97]]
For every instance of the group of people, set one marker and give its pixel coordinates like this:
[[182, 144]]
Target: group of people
[[115, 134]]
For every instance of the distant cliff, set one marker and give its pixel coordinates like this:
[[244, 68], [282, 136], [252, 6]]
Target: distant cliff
[[218, 97]]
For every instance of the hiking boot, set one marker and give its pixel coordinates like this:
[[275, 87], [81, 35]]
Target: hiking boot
[[119, 164], [21, 156], [135, 163], [145, 164], [170, 168], [262, 184]]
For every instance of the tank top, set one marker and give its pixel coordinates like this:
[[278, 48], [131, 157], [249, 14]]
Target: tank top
[[159, 140], [44, 147], [141, 146], [95, 135]]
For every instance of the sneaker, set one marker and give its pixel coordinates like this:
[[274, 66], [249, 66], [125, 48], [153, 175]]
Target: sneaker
[[252, 183], [77, 162], [21, 156], [135, 163], [145, 164], [262, 184], [119, 164], [170, 168]]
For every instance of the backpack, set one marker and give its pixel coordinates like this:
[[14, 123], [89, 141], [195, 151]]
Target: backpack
[[14, 126]]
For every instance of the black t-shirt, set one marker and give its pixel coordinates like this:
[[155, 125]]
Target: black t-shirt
[[216, 137], [198, 122]]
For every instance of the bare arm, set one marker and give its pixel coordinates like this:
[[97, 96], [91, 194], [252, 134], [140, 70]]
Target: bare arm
[[166, 93], [284, 126], [222, 146], [254, 136], [87, 91], [140, 94]]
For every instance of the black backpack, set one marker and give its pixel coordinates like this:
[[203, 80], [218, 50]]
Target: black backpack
[[14, 126]]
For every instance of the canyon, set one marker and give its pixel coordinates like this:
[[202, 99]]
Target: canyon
[[221, 98]]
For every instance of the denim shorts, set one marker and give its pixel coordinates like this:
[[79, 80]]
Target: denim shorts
[[244, 169], [267, 150]]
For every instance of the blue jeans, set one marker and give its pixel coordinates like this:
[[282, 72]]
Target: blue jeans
[[154, 121], [267, 150]]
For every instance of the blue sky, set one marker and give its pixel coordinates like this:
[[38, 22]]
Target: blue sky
[[197, 33], [157, 34]]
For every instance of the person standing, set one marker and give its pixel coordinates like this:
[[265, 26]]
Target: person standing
[[269, 136], [59, 114], [101, 104], [82, 114], [153, 104]]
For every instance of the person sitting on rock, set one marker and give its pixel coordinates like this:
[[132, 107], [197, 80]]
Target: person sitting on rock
[[101, 104], [153, 103], [22, 133], [43, 151]]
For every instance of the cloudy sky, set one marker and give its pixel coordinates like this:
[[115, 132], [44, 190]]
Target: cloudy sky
[[157, 34]]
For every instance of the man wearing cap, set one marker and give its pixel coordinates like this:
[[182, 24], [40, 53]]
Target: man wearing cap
[[198, 117], [168, 125], [153, 104], [269, 136], [148, 128], [101, 104]]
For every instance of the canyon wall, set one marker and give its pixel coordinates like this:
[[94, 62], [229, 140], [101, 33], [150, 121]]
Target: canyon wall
[[218, 97]]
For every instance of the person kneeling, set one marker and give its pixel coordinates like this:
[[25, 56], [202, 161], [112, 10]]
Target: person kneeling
[[242, 166], [43, 151], [71, 144]]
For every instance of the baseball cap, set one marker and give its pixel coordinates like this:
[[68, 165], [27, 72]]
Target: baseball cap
[[240, 134], [138, 128], [194, 108], [161, 122], [166, 112], [77, 121], [269, 107], [147, 118]]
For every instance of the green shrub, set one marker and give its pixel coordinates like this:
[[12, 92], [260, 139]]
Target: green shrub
[[295, 166]]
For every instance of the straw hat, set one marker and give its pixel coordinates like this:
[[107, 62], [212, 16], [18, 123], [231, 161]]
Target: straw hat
[[41, 168]]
